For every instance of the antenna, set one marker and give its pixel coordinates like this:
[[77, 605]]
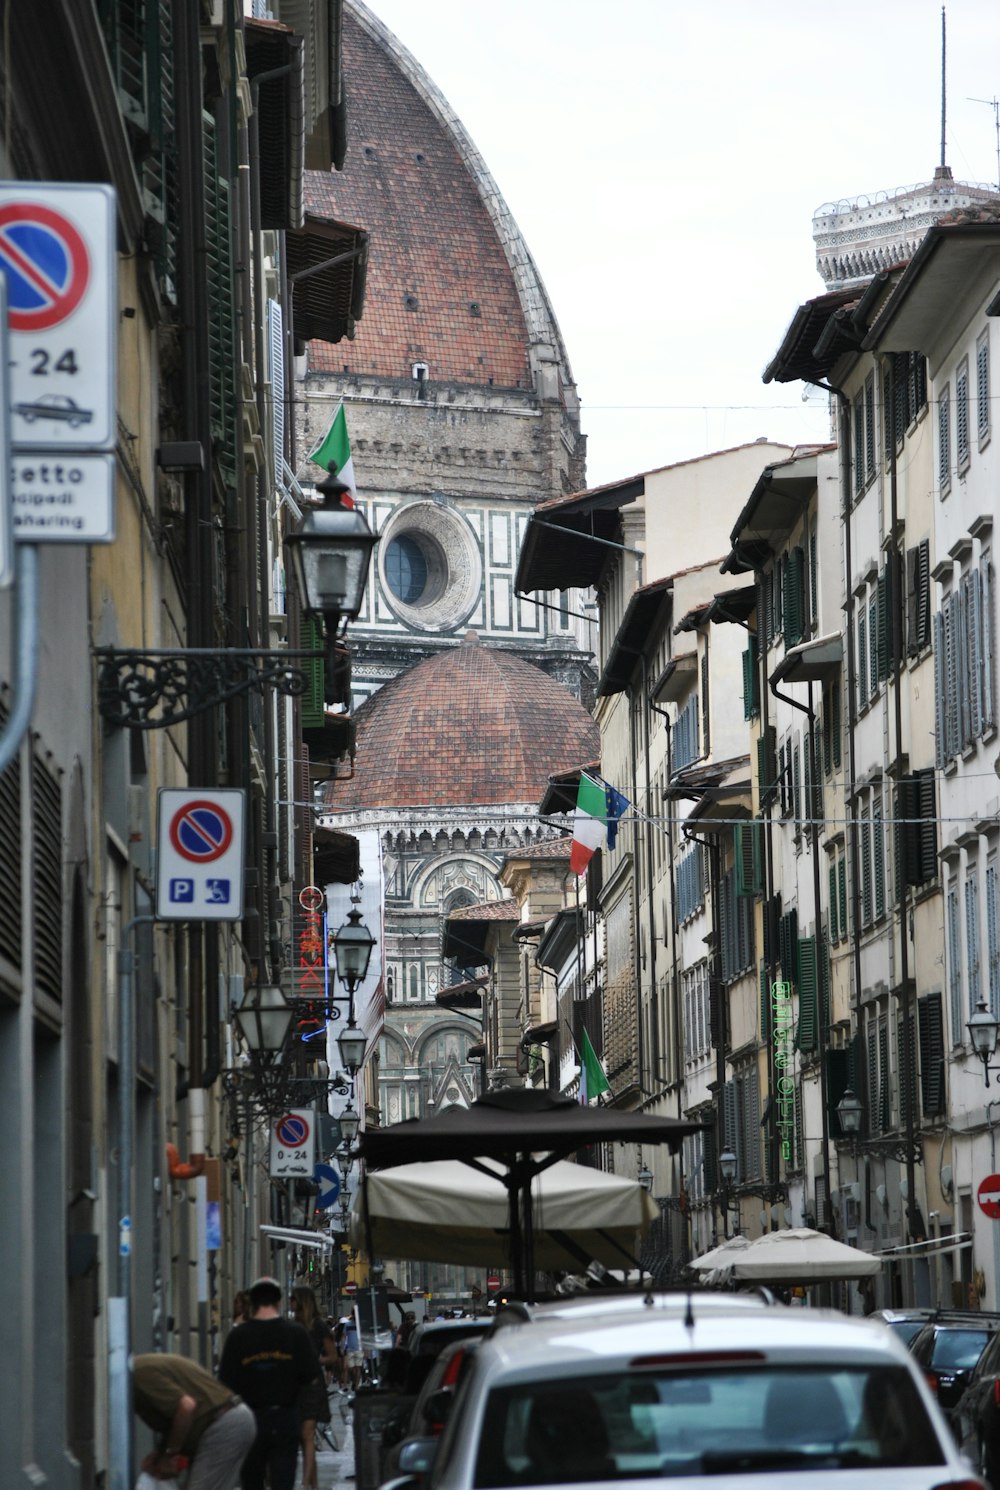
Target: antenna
[[994, 104], [943, 168]]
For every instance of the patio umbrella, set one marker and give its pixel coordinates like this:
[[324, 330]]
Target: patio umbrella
[[721, 1255], [800, 1255], [528, 1130], [446, 1212]]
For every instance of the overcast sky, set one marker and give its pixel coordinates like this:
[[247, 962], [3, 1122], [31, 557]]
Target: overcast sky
[[664, 162]]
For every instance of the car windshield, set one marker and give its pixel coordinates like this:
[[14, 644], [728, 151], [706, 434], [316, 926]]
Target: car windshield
[[906, 1329], [731, 1420], [957, 1350]]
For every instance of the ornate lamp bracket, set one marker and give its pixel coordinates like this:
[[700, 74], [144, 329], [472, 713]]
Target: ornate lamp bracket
[[141, 689]]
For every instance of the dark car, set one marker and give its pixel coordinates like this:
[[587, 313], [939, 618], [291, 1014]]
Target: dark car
[[415, 1435], [976, 1419], [947, 1350], [905, 1323]]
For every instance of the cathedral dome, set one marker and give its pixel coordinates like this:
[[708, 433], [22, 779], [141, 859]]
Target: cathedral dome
[[470, 725]]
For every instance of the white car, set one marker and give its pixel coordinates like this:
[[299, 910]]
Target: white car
[[746, 1397]]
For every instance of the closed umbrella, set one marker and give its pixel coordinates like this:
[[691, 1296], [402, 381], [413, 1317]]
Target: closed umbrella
[[719, 1256]]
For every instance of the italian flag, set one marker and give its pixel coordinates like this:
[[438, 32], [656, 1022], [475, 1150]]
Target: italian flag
[[590, 822], [335, 449], [592, 1078]]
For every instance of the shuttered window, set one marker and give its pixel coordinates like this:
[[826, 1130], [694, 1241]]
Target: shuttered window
[[944, 440], [794, 597], [916, 827], [871, 448], [47, 880], [918, 597], [807, 1034], [963, 664], [690, 884], [931, 1025], [859, 444], [972, 935], [983, 387], [862, 669], [224, 403], [685, 734], [748, 851], [751, 679], [832, 904], [311, 703], [276, 376], [993, 933], [736, 929], [954, 943], [11, 862], [865, 851], [906, 1066], [767, 765], [873, 647], [962, 451]]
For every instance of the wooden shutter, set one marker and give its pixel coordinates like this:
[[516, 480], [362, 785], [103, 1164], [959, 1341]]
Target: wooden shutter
[[878, 857], [870, 446], [311, 705], [751, 679], [931, 1022], [993, 934], [806, 1036], [747, 847], [794, 597], [940, 694], [862, 673], [983, 386], [986, 614], [765, 1004], [954, 941], [842, 892], [767, 765], [927, 864], [832, 902], [962, 415], [944, 439]]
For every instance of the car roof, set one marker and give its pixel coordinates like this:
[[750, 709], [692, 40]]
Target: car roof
[[793, 1335], [596, 1305], [432, 1334]]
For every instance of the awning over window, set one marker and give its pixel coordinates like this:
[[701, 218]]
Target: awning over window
[[811, 662], [327, 271], [279, 121]]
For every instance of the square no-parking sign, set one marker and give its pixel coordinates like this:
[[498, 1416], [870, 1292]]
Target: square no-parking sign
[[199, 859]]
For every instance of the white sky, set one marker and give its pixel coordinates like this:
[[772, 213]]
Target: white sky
[[664, 161]]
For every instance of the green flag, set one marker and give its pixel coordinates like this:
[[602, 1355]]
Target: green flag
[[335, 447], [592, 1078]]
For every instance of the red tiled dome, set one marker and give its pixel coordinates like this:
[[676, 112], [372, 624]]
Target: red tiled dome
[[471, 725], [439, 288]]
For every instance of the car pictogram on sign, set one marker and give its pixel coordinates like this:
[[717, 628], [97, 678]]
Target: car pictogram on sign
[[55, 406]]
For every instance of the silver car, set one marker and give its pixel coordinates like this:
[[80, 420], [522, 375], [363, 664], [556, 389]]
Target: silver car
[[740, 1395]]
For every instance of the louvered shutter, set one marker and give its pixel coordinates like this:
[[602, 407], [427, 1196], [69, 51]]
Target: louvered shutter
[[806, 1035], [873, 673], [767, 765], [964, 608], [884, 1090], [747, 852], [870, 446], [873, 1091], [795, 796], [940, 693], [859, 445], [923, 635], [832, 902], [983, 387], [972, 936], [862, 655], [951, 651], [276, 369], [912, 602], [836, 728], [793, 596], [927, 811], [986, 619], [906, 1062], [865, 848], [311, 703], [765, 1004], [931, 1021], [842, 893], [882, 623], [751, 1096], [993, 934], [751, 696], [962, 416], [878, 858], [954, 967], [944, 439]]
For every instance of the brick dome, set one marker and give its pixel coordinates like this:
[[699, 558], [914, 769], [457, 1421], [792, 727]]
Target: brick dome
[[450, 281], [471, 725]]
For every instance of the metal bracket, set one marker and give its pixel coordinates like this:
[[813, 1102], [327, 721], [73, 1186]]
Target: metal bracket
[[132, 683]]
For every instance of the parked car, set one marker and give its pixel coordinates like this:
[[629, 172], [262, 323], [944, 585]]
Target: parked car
[[906, 1323], [421, 1419], [947, 1349], [637, 1301], [735, 1395], [976, 1417]]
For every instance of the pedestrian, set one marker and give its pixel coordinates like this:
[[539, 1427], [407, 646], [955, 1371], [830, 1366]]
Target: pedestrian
[[268, 1360], [406, 1328], [201, 1424], [241, 1308], [314, 1404], [353, 1354], [340, 1342]]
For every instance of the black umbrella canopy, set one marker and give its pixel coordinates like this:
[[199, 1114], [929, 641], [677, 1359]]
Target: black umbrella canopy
[[527, 1130], [512, 1122]]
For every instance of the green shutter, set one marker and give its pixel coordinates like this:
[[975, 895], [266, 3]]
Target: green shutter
[[793, 597], [224, 402], [765, 1004], [767, 766], [842, 893], [751, 680], [311, 705], [834, 931], [747, 852], [931, 1018], [806, 1036]]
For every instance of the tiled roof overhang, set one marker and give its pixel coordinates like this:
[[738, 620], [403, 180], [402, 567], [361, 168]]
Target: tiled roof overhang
[[327, 269], [645, 609], [467, 931], [467, 995], [775, 505], [576, 553], [946, 262], [336, 857], [797, 357], [563, 789]]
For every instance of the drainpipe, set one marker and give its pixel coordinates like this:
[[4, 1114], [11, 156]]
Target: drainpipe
[[896, 643], [654, 992], [716, 993], [810, 713], [640, 1043]]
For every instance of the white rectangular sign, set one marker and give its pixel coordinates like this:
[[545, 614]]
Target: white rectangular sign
[[199, 862], [63, 497], [57, 242], [6, 516], [293, 1144]]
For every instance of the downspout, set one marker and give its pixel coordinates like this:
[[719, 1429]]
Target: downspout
[[640, 1044], [810, 713], [774, 1136], [654, 993], [675, 997], [716, 993], [895, 641]]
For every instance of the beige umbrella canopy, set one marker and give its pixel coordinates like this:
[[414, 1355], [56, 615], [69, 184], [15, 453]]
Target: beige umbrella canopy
[[721, 1255], [798, 1255], [444, 1211]]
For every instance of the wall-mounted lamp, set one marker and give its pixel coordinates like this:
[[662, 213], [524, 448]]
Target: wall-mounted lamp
[[329, 556], [983, 1028]]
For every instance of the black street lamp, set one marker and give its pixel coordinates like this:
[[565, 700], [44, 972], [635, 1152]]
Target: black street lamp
[[983, 1028], [850, 1112], [264, 1019], [329, 556], [352, 950], [728, 1164]]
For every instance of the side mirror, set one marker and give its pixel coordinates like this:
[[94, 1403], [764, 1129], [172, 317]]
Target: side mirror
[[416, 1456]]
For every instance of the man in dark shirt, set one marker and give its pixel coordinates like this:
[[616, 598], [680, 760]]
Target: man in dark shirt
[[267, 1361]]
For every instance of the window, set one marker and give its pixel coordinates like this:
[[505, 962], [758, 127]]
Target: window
[[814, 992], [993, 932], [837, 899], [697, 1023], [963, 663], [735, 929], [406, 569], [972, 934], [794, 597], [904, 395], [962, 414], [741, 1122], [690, 884], [871, 854], [862, 667], [767, 765], [931, 1026], [918, 597], [916, 828], [870, 445], [685, 734], [751, 679], [865, 447], [831, 726], [944, 440], [983, 388], [954, 948], [748, 847]]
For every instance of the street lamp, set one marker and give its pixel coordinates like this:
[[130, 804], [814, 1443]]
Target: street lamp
[[727, 1168], [645, 1178], [264, 1019], [349, 1125], [330, 554], [850, 1112], [352, 1043], [983, 1028], [352, 949]]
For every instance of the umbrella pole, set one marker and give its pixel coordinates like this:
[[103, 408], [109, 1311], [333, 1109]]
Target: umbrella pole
[[514, 1230], [528, 1229]]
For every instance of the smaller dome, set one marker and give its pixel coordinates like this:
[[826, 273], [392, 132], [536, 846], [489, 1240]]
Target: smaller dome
[[469, 725]]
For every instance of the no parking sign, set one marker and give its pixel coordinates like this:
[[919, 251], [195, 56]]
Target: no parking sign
[[293, 1144], [200, 855]]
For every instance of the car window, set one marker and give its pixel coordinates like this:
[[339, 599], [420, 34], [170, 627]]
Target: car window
[[957, 1350], [906, 1329], [988, 1360], [658, 1422]]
